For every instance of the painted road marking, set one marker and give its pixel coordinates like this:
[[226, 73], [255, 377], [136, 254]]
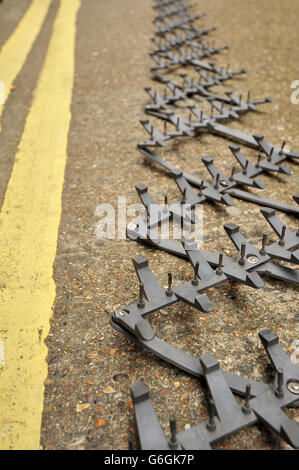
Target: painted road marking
[[16, 49], [2, 353], [29, 223], [2, 92]]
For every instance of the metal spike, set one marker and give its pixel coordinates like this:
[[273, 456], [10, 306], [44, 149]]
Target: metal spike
[[184, 196], [264, 243], [195, 281], [246, 407], [140, 302], [165, 127], [211, 424], [201, 188], [259, 157], [217, 181], [279, 389], [232, 173], [169, 291], [220, 263], [173, 443], [270, 154], [246, 167], [282, 236], [242, 254], [282, 147]]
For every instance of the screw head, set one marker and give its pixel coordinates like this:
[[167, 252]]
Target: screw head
[[121, 313], [132, 226], [252, 259], [293, 387]]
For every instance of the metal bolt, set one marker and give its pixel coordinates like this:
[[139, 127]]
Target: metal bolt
[[293, 387], [259, 157], [200, 116], [217, 181], [246, 167], [201, 188], [246, 407], [183, 201], [264, 243], [211, 424], [248, 96], [282, 147], [242, 254], [121, 313], [232, 173], [152, 131], [279, 388], [178, 124], [165, 127], [173, 430], [270, 154], [169, 291], [195, 280], [240, 99], [282, 236], [220, 264], [140, 302]]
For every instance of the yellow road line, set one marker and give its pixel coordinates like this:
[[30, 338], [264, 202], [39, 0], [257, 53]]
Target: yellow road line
[[29, 224], [16, 49]]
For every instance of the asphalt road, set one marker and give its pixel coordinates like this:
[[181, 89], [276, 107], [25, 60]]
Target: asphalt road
[[87, 404]]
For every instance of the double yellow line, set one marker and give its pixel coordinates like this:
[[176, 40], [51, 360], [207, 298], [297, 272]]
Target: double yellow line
[[16, 49], [29, 223]]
